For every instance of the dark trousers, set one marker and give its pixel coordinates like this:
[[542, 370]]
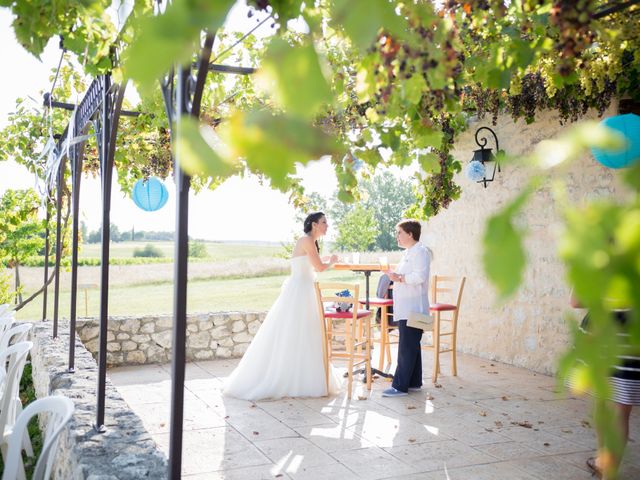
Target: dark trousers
[[409, 370]]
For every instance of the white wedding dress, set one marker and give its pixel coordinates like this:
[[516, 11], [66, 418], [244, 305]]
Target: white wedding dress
[[285, 357]]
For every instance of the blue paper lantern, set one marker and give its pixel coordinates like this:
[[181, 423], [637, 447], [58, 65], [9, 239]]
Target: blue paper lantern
[[150, 195], [475, 171], [629, 126]]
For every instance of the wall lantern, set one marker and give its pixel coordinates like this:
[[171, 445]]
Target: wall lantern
[[476, 169], [628, 126], [150, 195]]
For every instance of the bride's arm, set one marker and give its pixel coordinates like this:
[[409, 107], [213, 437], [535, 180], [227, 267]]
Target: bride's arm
[[309, 247]]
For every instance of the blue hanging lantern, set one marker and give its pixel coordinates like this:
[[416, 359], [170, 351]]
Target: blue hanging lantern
[[150, 195], [629, 126]]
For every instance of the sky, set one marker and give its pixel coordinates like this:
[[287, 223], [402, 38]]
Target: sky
[[240, 209]]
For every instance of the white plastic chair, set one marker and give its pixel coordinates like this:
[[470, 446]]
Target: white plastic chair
[[16, 355], [60, 410], [6, 310], [5, 323], [14, 334]]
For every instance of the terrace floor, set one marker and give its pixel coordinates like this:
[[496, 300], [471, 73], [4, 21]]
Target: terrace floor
[[492, 422]]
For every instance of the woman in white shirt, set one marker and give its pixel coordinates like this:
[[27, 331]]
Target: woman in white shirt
[[410, 294]]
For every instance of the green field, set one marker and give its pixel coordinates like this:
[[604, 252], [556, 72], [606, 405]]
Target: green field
[[236, 277], [217, 250], [246, 294]]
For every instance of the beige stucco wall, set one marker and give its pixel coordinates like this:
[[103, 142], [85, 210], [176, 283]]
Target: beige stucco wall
[[530, 329]]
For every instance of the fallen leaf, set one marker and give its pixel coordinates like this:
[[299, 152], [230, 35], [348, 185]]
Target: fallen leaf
[[566, 431], [278, 475], [429, 397], [493, 365], [227, 416], [482, 413], [498, 424], [256, 433], [524, 424], [437, 385], [411, 440], [411, 407], [360, 397], [585, 424], [546, 444], [489, 429], [505, 398]]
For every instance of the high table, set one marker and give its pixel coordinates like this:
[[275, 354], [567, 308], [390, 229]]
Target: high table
[[365, 268]]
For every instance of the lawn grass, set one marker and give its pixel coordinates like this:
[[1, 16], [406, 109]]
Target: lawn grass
[[217, 250], [208, 295]]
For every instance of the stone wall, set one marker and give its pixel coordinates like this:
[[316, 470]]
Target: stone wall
[[142, 340], [125, 451], [530, 329]]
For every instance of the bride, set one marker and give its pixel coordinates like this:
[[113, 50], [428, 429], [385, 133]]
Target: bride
[[285, 357]]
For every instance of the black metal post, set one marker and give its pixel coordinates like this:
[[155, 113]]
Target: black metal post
[[180, 291], [106, 163], [56, 289], [76, 175], [46, 261]]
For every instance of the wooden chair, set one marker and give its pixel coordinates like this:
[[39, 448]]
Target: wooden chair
[[384, 328], [444, 289], [353, 326]]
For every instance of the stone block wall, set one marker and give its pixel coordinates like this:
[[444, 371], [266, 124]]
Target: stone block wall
[[125, 451], [147, 339], [529, 329]]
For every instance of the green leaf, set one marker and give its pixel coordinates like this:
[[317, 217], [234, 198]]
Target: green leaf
[[273, 144], [430, 162], [426, 137], [363, 19], [197, 153], [171, 38], [413, 89], [296, 78], [503, 256]]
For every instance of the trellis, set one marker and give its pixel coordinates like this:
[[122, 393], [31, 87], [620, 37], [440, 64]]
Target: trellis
[[101, 106]]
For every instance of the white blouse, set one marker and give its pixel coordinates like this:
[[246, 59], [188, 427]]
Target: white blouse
[[412, 295]]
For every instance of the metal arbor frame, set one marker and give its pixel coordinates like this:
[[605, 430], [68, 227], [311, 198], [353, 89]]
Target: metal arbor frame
[[101, 107]]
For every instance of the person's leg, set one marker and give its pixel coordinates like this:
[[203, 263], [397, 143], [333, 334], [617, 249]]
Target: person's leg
[[604, 465], [408, 352], [623, 412], [416, 375]]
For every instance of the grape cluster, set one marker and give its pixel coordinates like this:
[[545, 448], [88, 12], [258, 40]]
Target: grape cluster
[[533, 96], [484, 101], [573, 21]]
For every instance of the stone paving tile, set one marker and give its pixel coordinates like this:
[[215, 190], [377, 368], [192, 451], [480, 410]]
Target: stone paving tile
[[462, 429], [131, 375], [373, 463], [334, 471], [263, 472], [390, 431], [294, 454], [293, 413], [545, 442], [551, 467], [214, 449], [256, 424], [332, 438], [508, 450], [491, 471], [426, 457], [473, 434]]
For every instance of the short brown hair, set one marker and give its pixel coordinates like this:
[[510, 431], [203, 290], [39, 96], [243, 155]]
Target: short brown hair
[[412, 227]]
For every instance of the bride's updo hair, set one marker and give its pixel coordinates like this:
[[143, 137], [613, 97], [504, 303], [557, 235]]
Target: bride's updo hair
[[307, 226]]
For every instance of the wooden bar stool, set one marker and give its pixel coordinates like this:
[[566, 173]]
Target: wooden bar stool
[[385, 349], [451, 288], [354, 327]]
